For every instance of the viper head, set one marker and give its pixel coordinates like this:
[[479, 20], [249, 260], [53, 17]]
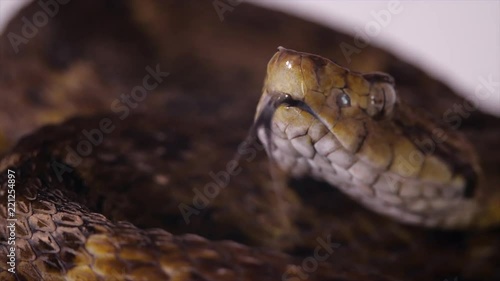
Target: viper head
[[351, 130], [329, 90]]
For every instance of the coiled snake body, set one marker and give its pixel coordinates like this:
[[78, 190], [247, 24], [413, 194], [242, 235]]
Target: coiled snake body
[[166, 166]]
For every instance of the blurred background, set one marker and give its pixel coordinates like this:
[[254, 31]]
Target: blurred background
[[455, 41]]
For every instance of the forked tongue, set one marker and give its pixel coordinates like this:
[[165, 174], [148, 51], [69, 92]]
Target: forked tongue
[[263, 125]]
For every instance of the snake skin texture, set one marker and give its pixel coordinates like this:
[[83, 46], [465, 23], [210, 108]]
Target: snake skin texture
[[373, 158], [60, 239], [137, 206]]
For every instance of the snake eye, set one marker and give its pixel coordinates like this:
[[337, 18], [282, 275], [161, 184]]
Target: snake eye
[[382, 98], [343, 100]]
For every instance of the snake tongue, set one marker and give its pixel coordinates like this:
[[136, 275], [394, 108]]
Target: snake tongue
[[265, 114]]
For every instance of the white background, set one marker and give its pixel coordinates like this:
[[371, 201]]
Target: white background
[[456, 41]]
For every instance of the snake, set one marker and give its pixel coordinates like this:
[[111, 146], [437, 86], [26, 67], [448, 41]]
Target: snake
[[352, 131], [346, 174]]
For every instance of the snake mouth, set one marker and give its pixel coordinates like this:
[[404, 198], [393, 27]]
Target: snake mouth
[[271, 104], [272, 101]]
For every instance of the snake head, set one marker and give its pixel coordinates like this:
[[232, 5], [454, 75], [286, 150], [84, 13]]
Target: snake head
[[327, 88], [348, 104], [351, 130]]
